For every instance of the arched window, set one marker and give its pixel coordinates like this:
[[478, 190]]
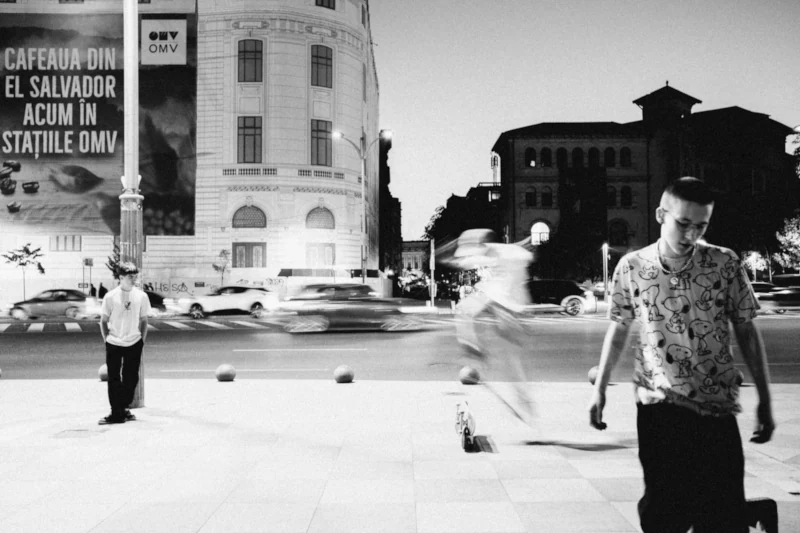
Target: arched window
[[561, 158], [530, 197], [594, 157], [540, 232], [530, 157], [249, 217], [611, 196], [625, 157], [626, 197], [618, 233], [547, 197], [577, 157], [547, 157], [609, 158], [320, 218]]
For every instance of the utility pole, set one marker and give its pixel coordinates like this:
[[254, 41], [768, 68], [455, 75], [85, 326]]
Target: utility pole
[[130, 248]]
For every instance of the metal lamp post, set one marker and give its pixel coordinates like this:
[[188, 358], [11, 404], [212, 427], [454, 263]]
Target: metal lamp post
[[362, 155], [130, 200], [605, 272]]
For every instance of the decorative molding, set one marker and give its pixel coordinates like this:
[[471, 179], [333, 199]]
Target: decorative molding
[[250, 25], [253, 188], [320, 190]]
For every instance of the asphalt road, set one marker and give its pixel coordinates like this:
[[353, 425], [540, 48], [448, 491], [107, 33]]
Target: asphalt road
[[560, 348]]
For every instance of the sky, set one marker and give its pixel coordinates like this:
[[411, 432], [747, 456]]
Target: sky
[[454, 75]]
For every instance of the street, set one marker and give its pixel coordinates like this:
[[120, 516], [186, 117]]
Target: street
[[562, 349]]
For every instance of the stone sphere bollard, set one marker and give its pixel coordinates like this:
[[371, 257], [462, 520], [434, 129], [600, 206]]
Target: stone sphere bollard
[[593, 374], [343, 374], [1, 372], [102, 373], [225, 372], [469, 376]]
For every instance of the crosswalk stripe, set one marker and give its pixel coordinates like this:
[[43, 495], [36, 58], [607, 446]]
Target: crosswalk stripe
[[248, 324], [177, 325], [212, 324], [35, 327], [3, 327], [151, 327], [72, 326]]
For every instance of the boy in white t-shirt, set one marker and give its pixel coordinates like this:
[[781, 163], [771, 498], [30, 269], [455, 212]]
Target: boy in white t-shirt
[[123, 325]]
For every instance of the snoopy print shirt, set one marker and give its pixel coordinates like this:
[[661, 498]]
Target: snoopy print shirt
[[684, 354]]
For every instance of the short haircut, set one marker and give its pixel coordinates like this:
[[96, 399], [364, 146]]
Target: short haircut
[[691, 190], [126, 268]]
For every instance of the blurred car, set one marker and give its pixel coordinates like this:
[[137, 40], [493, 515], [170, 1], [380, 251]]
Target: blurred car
[[573, 299], [776, 299], [253, 300], [349, 306], [55, 302]]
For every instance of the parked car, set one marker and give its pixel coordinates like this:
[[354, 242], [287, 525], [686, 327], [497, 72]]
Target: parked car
[[573, 299], [55, 302], [253, 300], [349, 306], [776, 299]]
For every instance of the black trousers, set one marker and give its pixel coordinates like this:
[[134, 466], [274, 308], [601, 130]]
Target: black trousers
[[693, 471], [123, 374]]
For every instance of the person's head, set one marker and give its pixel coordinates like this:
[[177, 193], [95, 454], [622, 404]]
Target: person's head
[[684, 213], [473, 242], [127, 275]]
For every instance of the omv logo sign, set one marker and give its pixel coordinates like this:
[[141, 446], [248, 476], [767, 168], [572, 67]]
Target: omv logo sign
[[163, 42]]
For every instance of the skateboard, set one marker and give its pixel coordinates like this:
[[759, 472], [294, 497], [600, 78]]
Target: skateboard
[[763, 512], [465, 426]]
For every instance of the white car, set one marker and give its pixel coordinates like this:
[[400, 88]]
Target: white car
[[253, 300]]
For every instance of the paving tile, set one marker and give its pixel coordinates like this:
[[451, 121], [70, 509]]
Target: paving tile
[[57, 517], [271, 517], [460, 490], [364, 518], [291, 469], [456, 469], [605, 467], [551, 490], [558, 469], [386, 470], [357, 491], [155, 518], [467, 517], [572, 517], [263, 490], [619, 489]]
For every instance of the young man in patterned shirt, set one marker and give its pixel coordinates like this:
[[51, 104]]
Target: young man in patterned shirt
[[684, 295]]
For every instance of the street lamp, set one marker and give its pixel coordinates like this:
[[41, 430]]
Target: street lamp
[[605, 272], [362, 152]]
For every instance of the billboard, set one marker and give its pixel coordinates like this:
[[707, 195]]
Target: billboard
[[62, 123]]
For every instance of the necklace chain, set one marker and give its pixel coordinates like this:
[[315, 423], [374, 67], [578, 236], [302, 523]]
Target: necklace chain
[[683, 267]]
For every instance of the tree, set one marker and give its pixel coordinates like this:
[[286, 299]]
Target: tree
[[113, 262], [23, 258], [755, 262], [221, 265], [789, 239]]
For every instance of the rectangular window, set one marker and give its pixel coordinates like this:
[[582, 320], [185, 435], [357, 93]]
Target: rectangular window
[[364, 82], [249, 140], [249, 254], [321, 66], [330, 4], [320, 255], [251, 60], [364, 15], [321, 143], [65, 243]]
